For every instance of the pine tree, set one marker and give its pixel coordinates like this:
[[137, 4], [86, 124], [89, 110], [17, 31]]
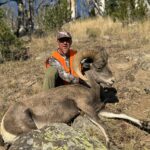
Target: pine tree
[[10, 45], [57, 15], [126, 10]]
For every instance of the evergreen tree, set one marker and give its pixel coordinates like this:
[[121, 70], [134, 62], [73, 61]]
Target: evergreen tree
[[57, 15], [126, 10], [10, 45]]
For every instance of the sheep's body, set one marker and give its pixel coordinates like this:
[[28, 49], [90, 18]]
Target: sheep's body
[[45, 108]]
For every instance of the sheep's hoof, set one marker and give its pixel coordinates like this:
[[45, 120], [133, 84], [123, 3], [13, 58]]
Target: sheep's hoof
[[146, 126]]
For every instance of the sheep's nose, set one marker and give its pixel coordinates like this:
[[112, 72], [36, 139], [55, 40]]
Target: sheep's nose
[[112, 81]]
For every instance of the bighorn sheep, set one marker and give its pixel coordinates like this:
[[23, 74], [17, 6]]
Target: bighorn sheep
[[63, 103]]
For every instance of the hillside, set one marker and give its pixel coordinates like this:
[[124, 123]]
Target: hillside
[[129, 59]]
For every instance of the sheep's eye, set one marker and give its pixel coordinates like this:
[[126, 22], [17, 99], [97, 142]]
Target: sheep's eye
[[99, 66], [99, 69]]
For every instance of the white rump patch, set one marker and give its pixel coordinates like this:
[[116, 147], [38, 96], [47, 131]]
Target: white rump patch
[[7, 137]]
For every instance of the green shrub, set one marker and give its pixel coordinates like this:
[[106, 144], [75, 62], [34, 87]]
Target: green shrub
[[10, 46], [126, 10], [56, 16]]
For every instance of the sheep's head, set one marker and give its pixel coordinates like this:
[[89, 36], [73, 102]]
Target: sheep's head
[[99, 67]]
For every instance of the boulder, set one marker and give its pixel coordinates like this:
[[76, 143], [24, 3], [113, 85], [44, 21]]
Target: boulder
[[57, 136]]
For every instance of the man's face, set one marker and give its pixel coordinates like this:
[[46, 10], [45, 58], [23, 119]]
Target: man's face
[[64, 44]]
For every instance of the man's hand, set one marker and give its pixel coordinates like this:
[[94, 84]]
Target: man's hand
[[86, 63]]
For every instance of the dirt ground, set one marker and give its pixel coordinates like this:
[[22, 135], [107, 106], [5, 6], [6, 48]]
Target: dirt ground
[[131, 68]]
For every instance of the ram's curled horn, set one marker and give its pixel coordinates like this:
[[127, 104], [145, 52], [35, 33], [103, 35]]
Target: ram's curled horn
[[79, 57]]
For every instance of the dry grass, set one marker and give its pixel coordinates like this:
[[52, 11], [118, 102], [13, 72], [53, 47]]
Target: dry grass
[[131, 36], [106, 26], [42, 44], [80, 28], [104, 31]]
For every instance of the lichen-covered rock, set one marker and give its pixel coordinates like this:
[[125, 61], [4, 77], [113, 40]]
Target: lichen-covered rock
[[57, 137], [84, 124]]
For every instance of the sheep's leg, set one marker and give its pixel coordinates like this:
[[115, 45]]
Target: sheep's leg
[[145, 125], [103, 131], [93, 116]]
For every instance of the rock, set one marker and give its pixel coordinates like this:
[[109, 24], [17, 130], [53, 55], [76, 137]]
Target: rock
[[145, 66], [147, 90], [91, 130], [57, 136], [84, 124], [130, 77]]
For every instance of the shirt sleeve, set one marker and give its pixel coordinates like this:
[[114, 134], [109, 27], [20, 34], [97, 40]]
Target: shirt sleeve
[[62, 73]]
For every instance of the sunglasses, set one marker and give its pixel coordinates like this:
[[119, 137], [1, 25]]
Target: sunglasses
[[64, 40]]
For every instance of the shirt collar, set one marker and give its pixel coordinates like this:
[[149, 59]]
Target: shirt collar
[[62, 54]]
